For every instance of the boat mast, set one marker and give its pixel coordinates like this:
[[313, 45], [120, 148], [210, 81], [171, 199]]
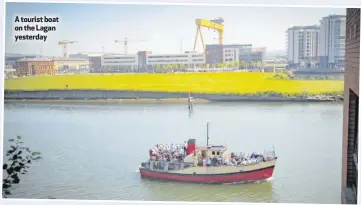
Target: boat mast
[[207, 133]]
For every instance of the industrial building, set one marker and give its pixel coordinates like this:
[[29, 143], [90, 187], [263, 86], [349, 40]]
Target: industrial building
[[332, 41], [302, 46], [350, 149], [71, 65], [50, 66]]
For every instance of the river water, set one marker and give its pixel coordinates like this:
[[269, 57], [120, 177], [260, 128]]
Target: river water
[[92, 151]]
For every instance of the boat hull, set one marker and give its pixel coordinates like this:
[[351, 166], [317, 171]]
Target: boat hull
[[242, 176]]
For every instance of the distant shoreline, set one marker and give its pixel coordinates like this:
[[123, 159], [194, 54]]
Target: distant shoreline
[[96, 96]]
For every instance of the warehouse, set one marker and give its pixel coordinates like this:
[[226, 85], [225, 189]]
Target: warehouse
[[71, 65]]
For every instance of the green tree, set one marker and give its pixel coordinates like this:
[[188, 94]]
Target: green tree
[[259, 64], [201, 65], [254, 64], [19, 160], [158, 67], [164, 68], [176, 66], [243, 64], [236, 64]]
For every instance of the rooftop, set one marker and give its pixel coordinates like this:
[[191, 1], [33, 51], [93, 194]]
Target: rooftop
[[334, 16], [50, 59], [304, 27]]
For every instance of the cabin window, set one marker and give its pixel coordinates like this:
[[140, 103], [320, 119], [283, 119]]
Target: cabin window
[[160, 165], [218, 153], [213, 152], [171, 167]]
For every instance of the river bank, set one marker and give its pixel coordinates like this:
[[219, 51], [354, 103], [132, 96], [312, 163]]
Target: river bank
[[151, 97]]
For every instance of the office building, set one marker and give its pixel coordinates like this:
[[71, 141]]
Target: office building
[[351, 109], [142, 62], [119, 63], [230, 53], [302, 46], [183, 59], [256, 55], [332, 41]]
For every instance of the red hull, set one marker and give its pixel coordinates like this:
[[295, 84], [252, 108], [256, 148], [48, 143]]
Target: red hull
[[255, 175]]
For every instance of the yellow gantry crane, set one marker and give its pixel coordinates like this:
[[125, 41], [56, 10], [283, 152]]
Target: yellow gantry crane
[[215, 24], [125, 43], [64, 43]]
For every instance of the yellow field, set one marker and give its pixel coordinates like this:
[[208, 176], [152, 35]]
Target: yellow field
[[237, 83]]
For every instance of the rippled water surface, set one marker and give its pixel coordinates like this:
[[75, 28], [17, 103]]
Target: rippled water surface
[[92, 151]]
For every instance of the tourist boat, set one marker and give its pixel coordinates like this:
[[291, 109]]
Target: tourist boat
[[190, 170]]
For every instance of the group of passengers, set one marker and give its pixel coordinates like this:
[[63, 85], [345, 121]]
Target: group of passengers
[[177, 152], [234, 160], [166, 152]]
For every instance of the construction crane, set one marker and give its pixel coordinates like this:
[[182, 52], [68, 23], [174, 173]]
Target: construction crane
[[215, 24], [64, 43], [125, 43]]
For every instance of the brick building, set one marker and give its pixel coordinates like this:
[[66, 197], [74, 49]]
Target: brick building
[[34, 66], [51, 66], [350, 115]]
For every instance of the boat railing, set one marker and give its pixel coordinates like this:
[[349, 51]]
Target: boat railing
[[270, 153]]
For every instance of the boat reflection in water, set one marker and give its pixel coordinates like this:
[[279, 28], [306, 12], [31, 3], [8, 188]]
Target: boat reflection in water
[[261, 191]]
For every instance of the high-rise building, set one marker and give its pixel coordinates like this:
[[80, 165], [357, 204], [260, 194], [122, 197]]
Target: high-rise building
[[302, 46], [332, 41]]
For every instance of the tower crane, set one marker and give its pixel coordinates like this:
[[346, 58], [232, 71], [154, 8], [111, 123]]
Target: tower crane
[[215, 24], [125, 43], [64, 43]]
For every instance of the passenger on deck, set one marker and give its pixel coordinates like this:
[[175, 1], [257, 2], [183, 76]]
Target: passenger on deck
[[209, 162], [172, 149], [185, 148]]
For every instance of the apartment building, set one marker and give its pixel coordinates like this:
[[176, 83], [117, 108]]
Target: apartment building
[[302, 46], [332, 41]]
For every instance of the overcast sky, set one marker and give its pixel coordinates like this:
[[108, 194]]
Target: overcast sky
[[96, 26]]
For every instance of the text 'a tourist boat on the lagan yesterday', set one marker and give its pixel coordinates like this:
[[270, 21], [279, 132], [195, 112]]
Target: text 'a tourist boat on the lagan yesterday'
[[189, 162]]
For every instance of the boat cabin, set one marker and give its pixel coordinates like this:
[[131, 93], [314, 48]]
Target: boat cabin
[[211, 151]]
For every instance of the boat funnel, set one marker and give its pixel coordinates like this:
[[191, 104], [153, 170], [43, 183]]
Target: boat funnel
[[191, 146]]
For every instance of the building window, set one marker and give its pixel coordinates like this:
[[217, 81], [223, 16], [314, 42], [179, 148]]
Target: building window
[[354, 30], [352, 148], [350, 35]]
